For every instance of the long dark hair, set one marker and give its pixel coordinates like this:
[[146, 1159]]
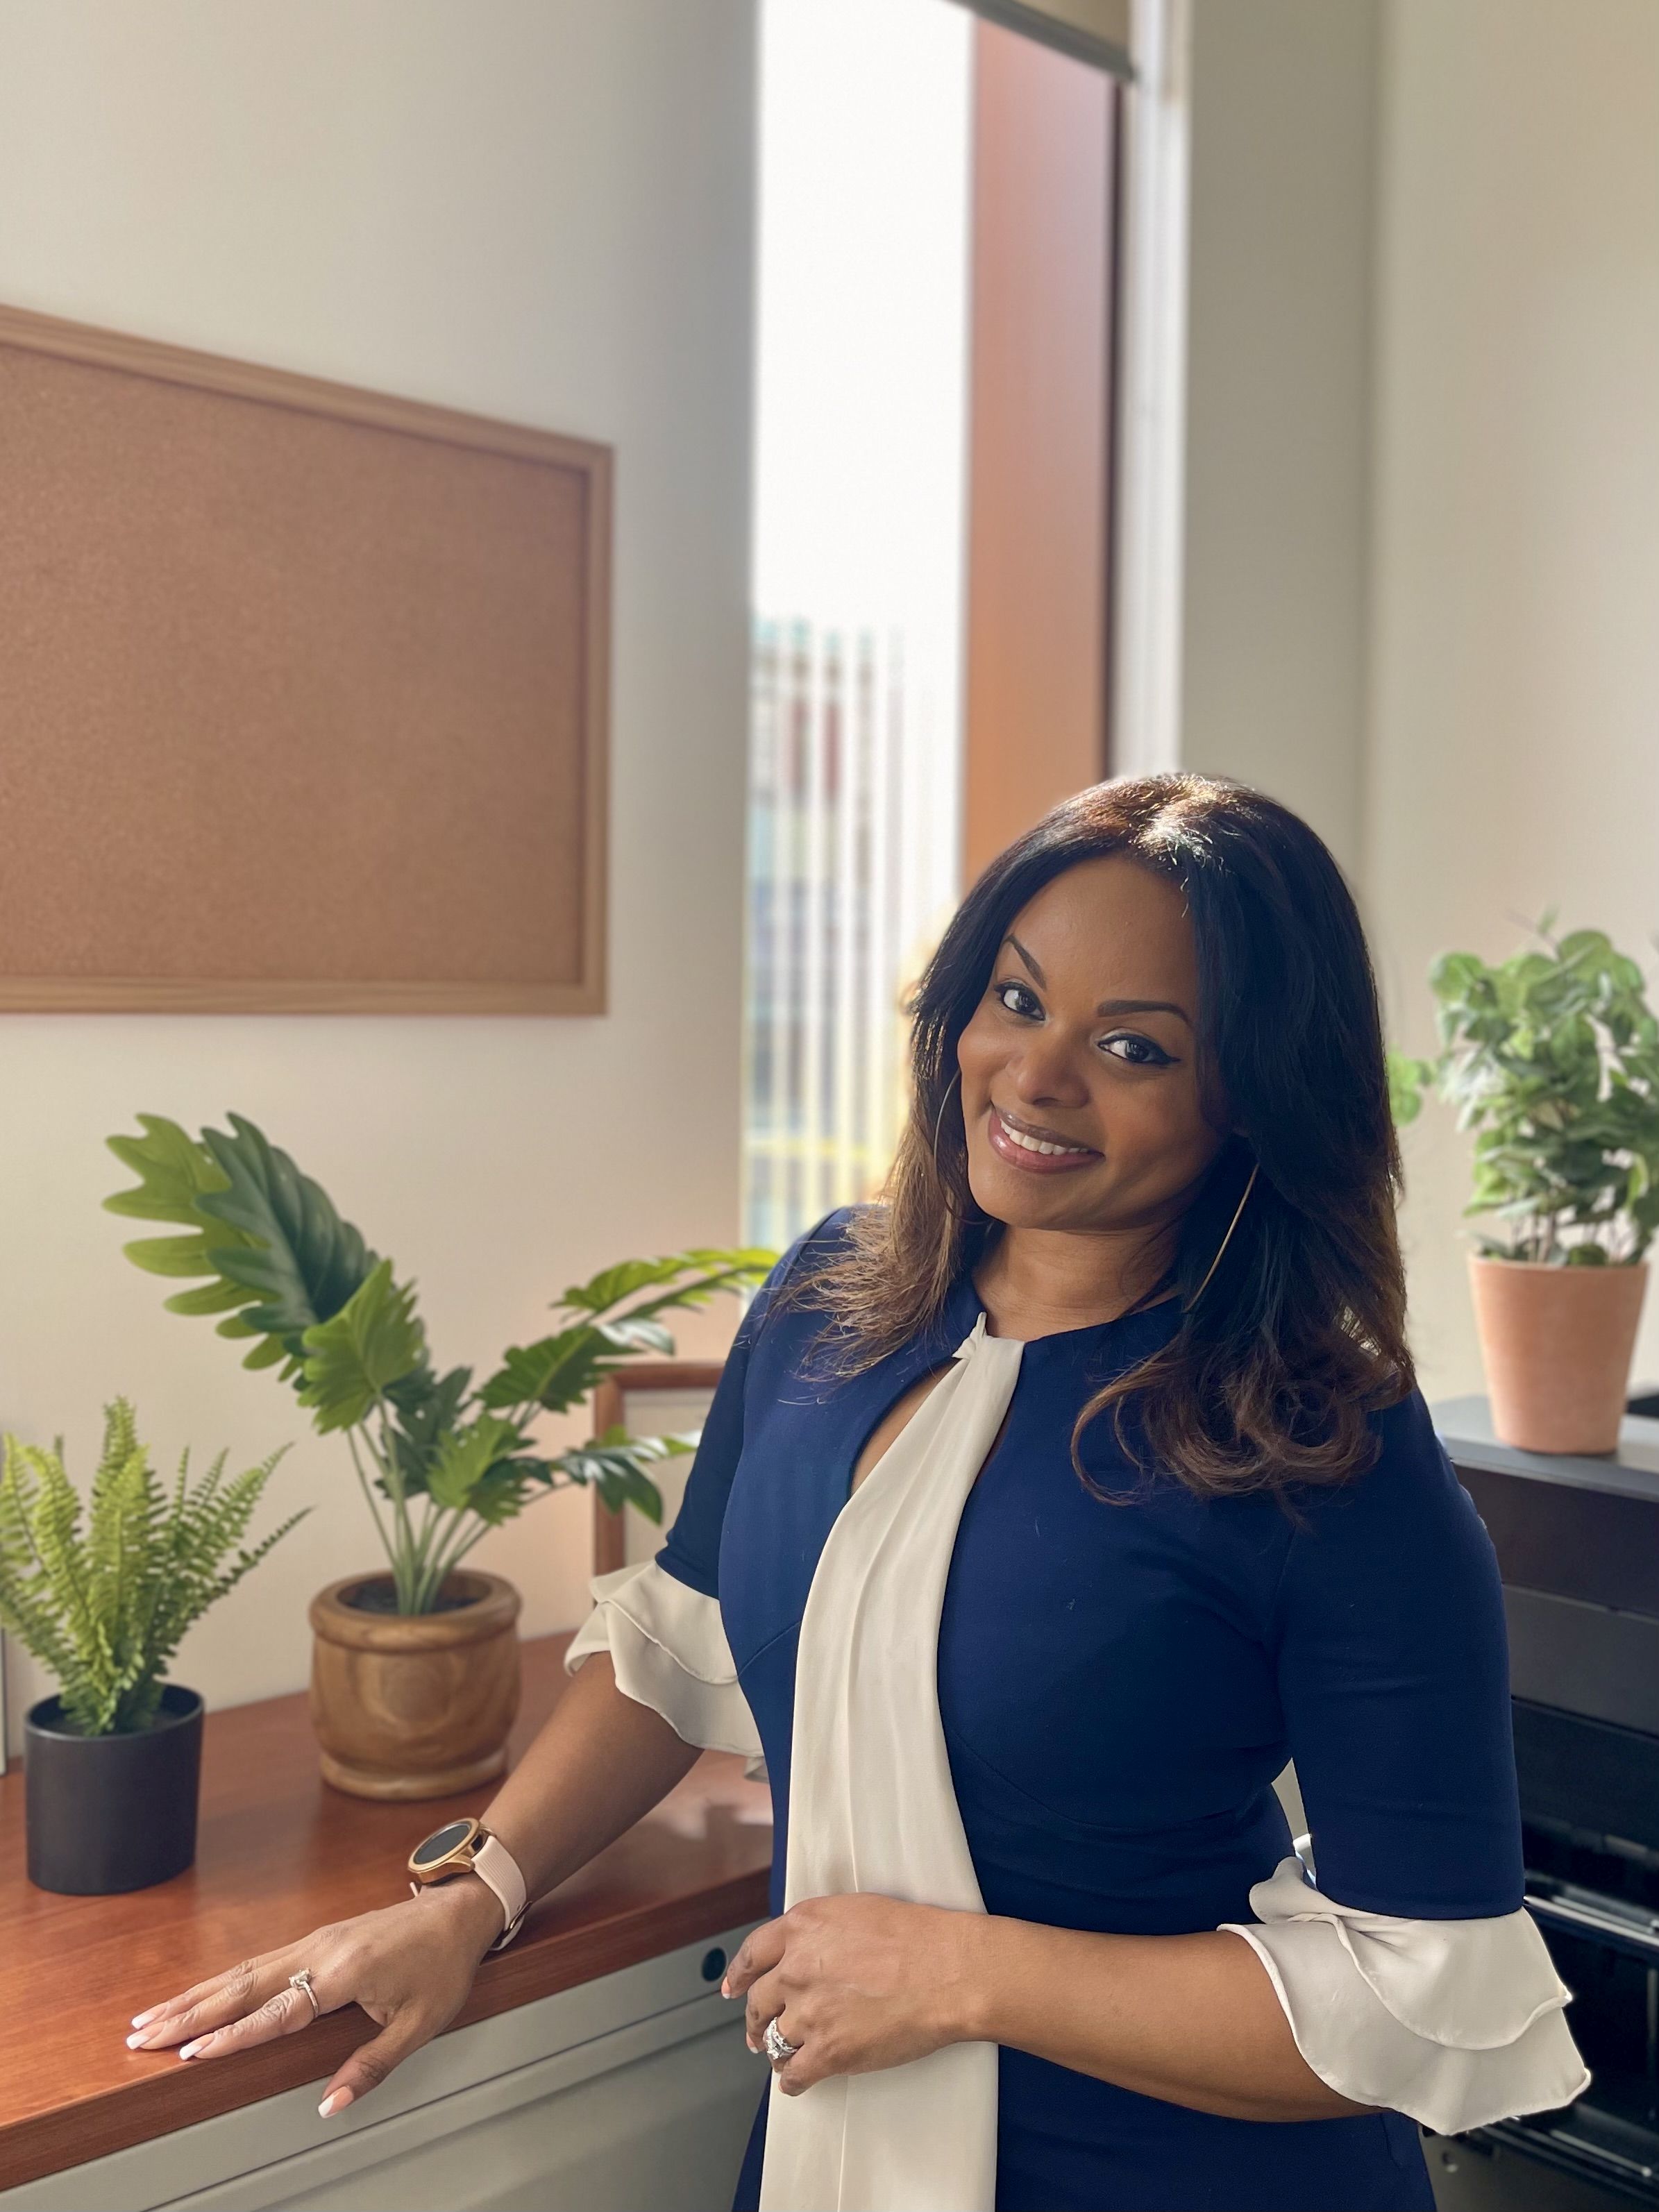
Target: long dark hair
[[1301, 1329]]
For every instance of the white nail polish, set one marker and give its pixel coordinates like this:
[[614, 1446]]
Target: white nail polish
[[327, 2105], [137, 2042], [189, 2050]]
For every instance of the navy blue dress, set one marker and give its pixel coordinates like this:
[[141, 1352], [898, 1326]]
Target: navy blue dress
[[1119, 1686]]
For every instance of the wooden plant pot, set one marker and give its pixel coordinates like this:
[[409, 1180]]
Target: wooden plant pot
[[412, 1706], [1557, 1343]]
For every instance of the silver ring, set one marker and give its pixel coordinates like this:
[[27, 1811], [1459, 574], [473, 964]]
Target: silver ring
[[777, 2045], [302, 1981]]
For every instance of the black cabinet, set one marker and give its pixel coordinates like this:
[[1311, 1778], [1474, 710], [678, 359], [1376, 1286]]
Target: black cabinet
[[1577, 1543]]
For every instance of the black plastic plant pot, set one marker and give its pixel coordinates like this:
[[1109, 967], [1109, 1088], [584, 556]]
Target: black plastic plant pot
[[110, 1813]]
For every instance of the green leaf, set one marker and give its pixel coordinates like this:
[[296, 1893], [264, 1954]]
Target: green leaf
[[558, 1372], [1407, 1079], [632, 1334], [466, 1456], [174, 1173], [711, 1270], [1582, 943], [1452, 974], [612, 1285], [302, 1260], [352, 1358], [424, 1409], [614, 1464], [643, 1495], [214, 1298], [277, 1256], [500, 1494]]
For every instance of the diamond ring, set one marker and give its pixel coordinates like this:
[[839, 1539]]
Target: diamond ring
[[778, 2046], [302, 1981]]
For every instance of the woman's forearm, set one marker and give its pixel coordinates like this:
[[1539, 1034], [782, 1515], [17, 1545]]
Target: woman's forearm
[[601, 1760], [1191, 2019]]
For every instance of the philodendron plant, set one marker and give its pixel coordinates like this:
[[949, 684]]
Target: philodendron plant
[[1553, 1059], [441, 1459]]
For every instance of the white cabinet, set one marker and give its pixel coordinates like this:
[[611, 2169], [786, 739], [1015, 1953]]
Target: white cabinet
[[632, 2094]]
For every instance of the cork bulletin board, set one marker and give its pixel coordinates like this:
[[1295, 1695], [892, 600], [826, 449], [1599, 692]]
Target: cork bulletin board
[[302, 692]]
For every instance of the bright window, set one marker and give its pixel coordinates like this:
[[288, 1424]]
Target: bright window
[[856, 776]]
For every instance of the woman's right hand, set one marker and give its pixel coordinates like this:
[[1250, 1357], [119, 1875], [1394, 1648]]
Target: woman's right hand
[[409, 1966]]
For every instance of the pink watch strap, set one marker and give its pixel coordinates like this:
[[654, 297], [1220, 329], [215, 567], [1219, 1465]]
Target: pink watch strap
[[495, 1866]]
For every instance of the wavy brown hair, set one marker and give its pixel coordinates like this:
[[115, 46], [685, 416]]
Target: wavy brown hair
[[1301, 1329]]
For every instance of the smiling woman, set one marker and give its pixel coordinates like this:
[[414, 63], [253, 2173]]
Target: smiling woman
[[1022, 1677], [1156, 1006]]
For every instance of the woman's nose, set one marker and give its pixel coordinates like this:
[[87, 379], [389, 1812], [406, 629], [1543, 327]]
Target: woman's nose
[[1047, 1071]]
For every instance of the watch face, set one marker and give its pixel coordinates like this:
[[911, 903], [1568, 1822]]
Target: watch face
[[440, 1843]]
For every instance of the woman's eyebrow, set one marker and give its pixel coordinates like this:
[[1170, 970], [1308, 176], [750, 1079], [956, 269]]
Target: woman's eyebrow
[[1036, 972], [1106, 1005], [1143, 1006]]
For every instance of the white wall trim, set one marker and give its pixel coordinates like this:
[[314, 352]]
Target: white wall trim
[[1145, 718]]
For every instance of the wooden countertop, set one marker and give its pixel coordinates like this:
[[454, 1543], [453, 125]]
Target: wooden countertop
[[277, 1854]]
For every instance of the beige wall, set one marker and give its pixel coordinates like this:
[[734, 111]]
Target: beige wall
[[1272, 673], [538, 209], [1422, 507], [1513, 757]]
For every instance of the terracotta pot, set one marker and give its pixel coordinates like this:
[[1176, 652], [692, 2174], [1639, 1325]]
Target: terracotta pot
[[1557, 1343], [410, 1705]]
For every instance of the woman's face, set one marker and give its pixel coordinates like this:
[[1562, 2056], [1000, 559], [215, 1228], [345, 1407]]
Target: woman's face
[[1079, 1088]]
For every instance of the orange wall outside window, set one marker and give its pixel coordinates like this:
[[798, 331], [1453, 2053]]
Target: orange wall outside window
[[1039, 436]]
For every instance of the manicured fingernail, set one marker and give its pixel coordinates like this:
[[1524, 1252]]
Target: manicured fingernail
[[725, 1989], [139, 2018], [336, 2101], [189, 2050], [137, 2042]]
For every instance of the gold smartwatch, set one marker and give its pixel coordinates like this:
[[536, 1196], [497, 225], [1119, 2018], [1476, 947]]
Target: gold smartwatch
[[468, 1847]]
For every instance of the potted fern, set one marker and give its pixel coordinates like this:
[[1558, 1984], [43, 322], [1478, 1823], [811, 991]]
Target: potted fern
[[112, 1760], [415, 1673], [1551, 1058]]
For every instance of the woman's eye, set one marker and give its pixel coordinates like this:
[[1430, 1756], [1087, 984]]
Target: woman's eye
[[1016, 998], [1137, 1051]]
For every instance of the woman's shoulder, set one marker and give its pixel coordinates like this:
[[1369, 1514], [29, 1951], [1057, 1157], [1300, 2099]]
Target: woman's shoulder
[[1404, 1519], [824, 1241], [1412, 1473], [777, 1311]]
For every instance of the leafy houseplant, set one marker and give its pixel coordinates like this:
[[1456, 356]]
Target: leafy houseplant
[[441, 1459], [112, 1758], [1551, 1058]]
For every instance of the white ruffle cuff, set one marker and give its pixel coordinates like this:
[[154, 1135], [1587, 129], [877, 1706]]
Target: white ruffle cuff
[[1456, 2023], [668, 1650]]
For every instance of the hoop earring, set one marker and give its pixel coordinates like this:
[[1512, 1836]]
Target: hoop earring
[[939, 1118], [1222, 1246]]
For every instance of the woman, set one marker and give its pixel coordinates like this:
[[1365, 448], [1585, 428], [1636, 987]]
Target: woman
[[1044, 1512]]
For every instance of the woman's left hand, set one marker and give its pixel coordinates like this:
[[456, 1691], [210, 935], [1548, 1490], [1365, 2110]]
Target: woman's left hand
[[856, 1982]]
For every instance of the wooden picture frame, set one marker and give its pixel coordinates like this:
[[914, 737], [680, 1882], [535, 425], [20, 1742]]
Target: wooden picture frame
[[306, 692], [674, 1382]]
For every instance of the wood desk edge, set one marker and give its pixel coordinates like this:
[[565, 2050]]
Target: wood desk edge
[[568, 1948]]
